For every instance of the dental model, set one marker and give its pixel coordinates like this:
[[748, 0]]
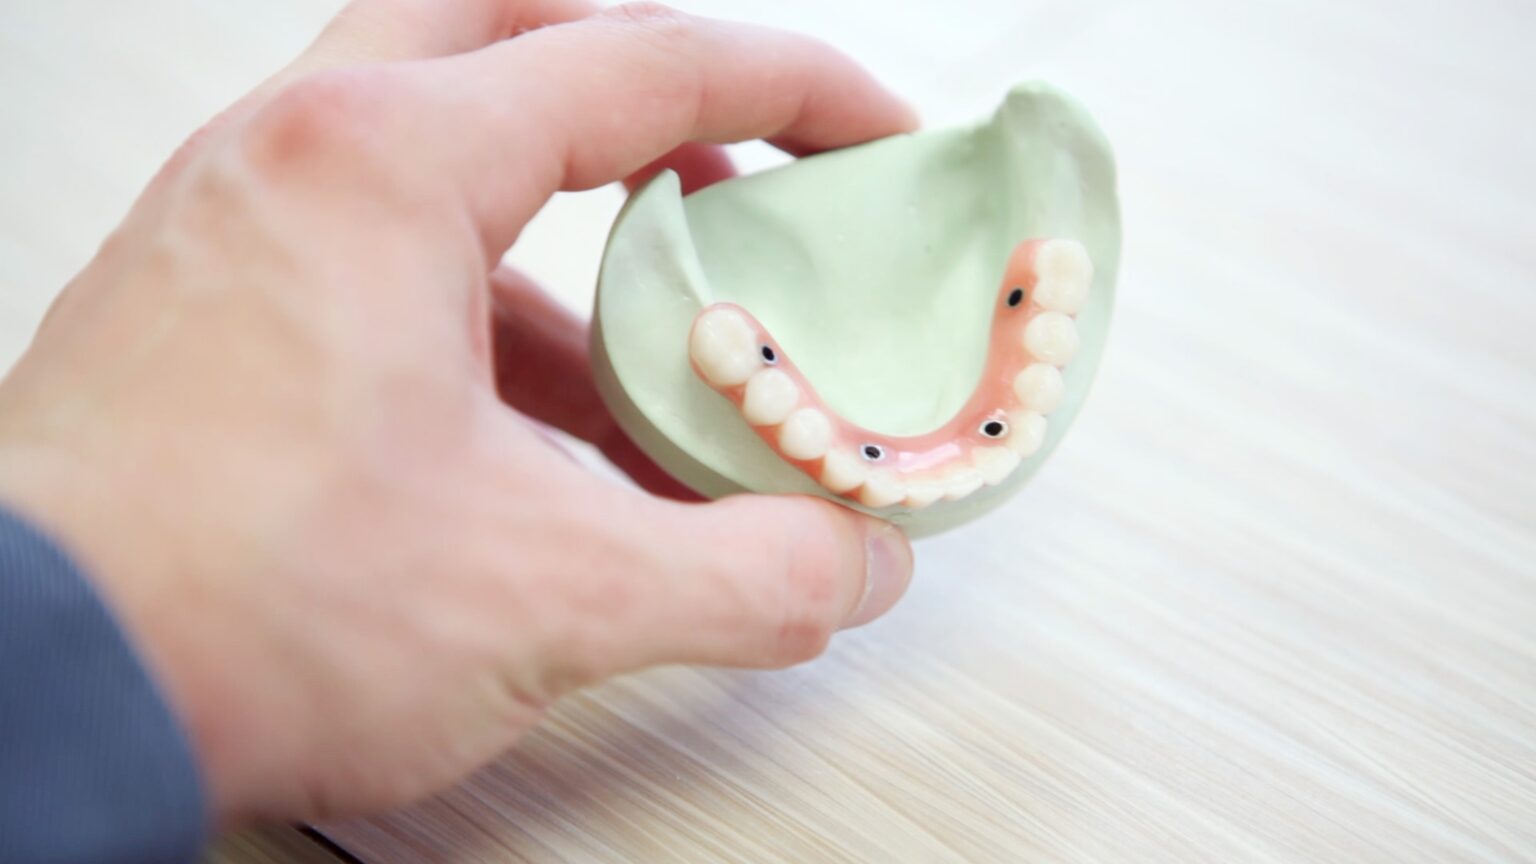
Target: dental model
[[1003, 423]]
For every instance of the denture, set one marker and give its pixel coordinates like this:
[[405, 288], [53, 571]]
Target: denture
[[1033, 335]]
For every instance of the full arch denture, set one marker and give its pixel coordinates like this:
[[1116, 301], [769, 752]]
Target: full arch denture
[[1033, 336]]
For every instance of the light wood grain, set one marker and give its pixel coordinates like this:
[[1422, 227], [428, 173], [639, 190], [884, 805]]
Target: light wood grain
[[278, 845], [1273, 600]]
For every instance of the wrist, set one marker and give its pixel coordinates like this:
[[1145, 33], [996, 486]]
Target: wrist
[[90, 740], [116, 540]]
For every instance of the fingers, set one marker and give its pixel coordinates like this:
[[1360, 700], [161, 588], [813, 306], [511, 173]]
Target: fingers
[[477, 142], [540, 358], [780, 574], [372, 31], [539, 352], [581, 104], [747, 581]]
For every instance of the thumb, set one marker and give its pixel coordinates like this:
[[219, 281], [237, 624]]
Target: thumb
[[760, 581]]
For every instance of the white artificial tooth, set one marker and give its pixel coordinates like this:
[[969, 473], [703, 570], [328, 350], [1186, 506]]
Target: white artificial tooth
[[1026, 432], [1065, 274], [771, 396], [806, 434], [994, 463], [921, 493], [1038, 386], [961, 482], [724, 347], [1051, 337], [882, 488], [843, 472]]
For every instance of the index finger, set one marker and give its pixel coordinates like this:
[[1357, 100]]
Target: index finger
[[579, 105]]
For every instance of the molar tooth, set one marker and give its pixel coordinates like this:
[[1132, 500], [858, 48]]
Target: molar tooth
[[1026, 432], [1065, 275], [770, 398], [805, 435], [921, 493], [961, 482], [995, 463], [1039, 387], [724, 347], [882, 489], [1051, 337], [842, 472]]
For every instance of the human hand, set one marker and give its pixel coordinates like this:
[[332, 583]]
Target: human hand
[[271, 417]]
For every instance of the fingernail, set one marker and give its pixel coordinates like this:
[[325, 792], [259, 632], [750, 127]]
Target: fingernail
[[887, 570]]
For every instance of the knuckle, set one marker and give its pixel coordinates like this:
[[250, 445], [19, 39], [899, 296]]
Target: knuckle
[[813, 597], [801, 639], [327, 114], [594, 610]]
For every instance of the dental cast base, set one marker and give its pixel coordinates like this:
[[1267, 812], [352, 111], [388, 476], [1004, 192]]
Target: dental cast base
[[1033, 336]]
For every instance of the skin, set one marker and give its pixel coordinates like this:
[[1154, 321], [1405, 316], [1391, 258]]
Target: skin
[[284, 418]]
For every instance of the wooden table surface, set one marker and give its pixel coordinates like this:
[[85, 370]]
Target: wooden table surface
[[1273, 600]]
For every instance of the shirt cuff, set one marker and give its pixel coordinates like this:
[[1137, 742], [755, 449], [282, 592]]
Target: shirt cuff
[[94, 767]]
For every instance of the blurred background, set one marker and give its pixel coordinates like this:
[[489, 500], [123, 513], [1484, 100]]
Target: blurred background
[[1273, 599]]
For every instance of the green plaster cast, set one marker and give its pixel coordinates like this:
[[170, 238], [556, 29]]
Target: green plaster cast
[[876, 269]]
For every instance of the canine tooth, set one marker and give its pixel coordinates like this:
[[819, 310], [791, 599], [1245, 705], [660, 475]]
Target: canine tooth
[[842, 472], [1066, 273], [995, 463], [806, 434], [1051, 337], [724, 347], [961, 482], [882, 489], [921, 493], [1038, 386], [1026, 432], [770, 398]]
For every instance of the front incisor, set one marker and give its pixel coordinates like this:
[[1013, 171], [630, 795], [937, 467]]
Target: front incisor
[[994, 463], [882, 489]]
